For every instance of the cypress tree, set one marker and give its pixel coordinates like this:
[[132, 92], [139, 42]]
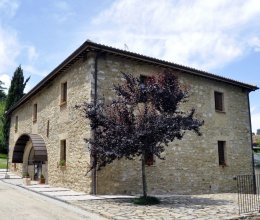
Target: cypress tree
[[15, 93], [2, 109], [2, 93]]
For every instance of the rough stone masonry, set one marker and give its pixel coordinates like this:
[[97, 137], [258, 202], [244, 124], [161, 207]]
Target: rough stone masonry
[[191, 165]]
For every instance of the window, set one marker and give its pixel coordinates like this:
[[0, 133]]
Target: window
[[63, 93], [143, 79], [219, 101], [143, 83], [48, 128], [16, 124], [62, 151], [35, 113], [221, 153], [149, 159]]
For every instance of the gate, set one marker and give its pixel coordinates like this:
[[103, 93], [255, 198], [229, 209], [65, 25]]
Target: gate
[[248, 193]]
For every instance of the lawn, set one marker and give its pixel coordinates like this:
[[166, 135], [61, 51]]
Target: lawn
[[3, 161]]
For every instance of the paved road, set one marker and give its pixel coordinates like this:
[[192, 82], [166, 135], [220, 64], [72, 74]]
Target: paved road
[[19, 204]]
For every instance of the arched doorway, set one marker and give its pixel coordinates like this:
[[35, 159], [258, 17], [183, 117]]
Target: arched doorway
[[30, 150]]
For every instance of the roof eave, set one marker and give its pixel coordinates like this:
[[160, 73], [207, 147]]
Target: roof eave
[[87, 45]]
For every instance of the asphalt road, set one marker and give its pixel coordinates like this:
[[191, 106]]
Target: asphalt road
[[19, 204]]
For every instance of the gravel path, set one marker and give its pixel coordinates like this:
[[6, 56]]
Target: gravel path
[[211, 206], [201, 207]]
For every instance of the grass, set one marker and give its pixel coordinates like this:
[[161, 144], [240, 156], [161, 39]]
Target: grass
[[3, 161], [149, 200]]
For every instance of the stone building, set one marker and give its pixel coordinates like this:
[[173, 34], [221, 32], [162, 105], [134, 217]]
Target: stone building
[[47, 133]]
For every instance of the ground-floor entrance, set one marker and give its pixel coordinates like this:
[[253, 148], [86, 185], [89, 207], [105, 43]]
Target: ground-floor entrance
[[30, 150]]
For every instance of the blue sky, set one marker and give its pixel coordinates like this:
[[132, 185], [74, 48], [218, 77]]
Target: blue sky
[[222, 37]]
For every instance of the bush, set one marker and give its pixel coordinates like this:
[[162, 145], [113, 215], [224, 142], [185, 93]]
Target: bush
[[149, 200], [62, 163], [26, 175]]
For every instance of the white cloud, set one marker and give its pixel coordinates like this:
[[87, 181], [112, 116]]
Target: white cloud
[[8, 7], [31, 70], [13, 51], [255, 43], [203, 34], [63, 11], [32, 53], [9, 49]]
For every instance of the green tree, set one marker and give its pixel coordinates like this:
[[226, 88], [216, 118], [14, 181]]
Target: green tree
[[2, 110], [2, 92], [15, 93]]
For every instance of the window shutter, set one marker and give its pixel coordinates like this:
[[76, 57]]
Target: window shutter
[[219, 101], [221, 152]]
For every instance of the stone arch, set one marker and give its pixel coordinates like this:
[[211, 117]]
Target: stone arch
[[31, 151], [38, 144]]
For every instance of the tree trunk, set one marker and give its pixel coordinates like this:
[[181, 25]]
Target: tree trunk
[[144, 176]]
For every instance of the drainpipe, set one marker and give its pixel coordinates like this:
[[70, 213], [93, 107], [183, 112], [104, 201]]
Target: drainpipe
[[94, 161], [251, 142], [7, 163]]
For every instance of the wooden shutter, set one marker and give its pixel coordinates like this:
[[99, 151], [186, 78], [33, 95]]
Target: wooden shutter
[[63, 92], [221, 152], [219, 101], [63, 150], [35, 113]]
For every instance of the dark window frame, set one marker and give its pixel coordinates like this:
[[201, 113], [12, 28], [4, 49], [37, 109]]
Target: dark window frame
[[48, 128], [222, 153], [219, 101], [35, 112], [16, 124], [64, 93], [63, 150]]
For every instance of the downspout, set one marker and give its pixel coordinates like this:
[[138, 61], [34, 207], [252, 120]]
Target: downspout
[[251, 142], [8, 153], [94, 161]]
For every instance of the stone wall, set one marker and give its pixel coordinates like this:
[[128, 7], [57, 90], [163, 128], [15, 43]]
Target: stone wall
[[191, 164], [65, 122]]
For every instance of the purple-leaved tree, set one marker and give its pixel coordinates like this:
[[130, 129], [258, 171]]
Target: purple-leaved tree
[[142, 119]]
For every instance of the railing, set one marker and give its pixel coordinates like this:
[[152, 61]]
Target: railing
[[248, 193]]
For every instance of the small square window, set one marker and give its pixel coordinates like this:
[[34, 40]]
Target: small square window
[[16, 124], [63, 93], [149, 159], [221, 153], [35, 113], [63, 151], [219, 101]]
